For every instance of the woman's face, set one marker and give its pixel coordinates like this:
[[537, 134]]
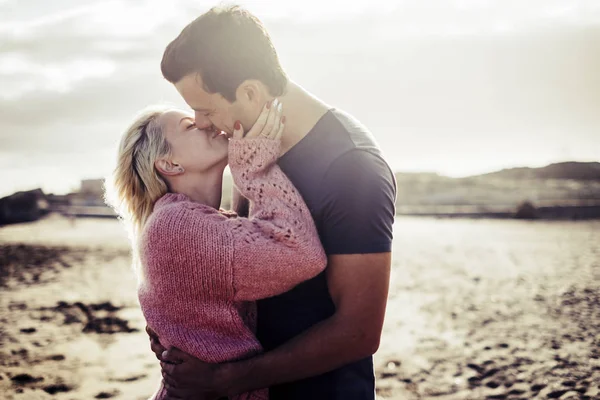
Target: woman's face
[[194, 149]]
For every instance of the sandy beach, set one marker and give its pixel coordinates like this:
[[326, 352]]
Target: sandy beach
[[478, 309]]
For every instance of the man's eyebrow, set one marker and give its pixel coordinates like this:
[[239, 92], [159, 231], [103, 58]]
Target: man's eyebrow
[[201, 109]]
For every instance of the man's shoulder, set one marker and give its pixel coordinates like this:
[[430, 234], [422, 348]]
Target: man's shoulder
[[334, 135], [337, 143], [359, 136], [359, 181], [359, 162], [362, 152]]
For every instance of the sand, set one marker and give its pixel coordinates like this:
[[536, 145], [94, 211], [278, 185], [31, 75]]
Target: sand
[[478, 309]]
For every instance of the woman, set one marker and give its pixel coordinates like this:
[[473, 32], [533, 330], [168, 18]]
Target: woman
[[201, 268]]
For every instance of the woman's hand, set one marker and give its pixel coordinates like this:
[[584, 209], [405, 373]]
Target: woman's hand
[[269, 124]]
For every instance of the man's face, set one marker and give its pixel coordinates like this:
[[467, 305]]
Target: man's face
[[210, 109]]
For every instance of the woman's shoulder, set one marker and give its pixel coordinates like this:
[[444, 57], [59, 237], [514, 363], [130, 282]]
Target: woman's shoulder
[[176, 212], [170, 201], [175, 203]]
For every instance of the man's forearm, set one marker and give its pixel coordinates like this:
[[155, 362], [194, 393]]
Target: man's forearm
[[324, 347]]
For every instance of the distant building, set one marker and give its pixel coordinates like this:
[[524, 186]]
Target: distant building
[[92, 187], [91, 193], [89, 201]]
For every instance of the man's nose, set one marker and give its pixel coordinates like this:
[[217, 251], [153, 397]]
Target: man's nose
[[202, 121]]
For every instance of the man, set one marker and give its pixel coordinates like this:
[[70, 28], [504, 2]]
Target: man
[[319, 337]]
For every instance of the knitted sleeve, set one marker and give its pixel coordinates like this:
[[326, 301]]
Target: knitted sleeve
[[277, 246], [230, 257]]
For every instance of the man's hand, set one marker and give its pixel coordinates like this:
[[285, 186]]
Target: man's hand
[[157, 348], [186, 377], [178, 381]]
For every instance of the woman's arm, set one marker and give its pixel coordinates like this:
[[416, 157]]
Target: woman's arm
[[277, 246], [270, 252]]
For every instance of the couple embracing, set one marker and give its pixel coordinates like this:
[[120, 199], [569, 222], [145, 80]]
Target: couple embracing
[[283, 297]]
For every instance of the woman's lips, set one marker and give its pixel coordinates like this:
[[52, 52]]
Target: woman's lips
[[218, 133]]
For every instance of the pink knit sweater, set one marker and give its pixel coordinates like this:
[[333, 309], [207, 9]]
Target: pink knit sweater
[[202, 269]]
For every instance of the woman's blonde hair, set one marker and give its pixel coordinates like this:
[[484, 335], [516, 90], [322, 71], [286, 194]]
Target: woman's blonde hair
[[135, 184]]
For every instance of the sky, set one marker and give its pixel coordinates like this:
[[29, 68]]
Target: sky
[[457, 87]]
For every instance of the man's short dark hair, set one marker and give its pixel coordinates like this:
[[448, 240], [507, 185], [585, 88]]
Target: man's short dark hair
[[226, 46]]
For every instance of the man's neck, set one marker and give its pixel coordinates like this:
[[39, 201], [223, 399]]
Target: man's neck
[[302, 111]]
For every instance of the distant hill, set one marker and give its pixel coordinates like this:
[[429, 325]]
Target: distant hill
[[579, 171], [554, 184]]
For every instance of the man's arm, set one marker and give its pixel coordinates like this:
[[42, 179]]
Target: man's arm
[[358, 284]]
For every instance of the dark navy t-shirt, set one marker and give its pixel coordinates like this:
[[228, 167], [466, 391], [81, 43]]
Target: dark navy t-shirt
[[350, 191]]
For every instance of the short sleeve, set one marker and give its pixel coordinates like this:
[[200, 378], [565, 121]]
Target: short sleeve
[[358, 194]]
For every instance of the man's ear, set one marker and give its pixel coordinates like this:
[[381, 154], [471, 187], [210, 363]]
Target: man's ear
[[168, 168], [252, 92]]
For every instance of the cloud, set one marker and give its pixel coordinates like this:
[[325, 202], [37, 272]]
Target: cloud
[[20, 75], [89, 116], [422, 74]]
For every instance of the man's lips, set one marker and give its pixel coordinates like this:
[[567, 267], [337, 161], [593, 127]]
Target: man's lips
[[214, 132]]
